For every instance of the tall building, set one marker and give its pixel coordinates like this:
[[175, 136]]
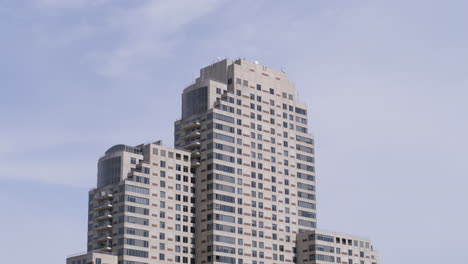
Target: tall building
[[238, 188], [255, 182]]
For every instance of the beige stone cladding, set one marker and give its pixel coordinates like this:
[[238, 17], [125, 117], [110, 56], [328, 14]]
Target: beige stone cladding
[[256, 175], [319, 247], [93, 258], [146, 216]]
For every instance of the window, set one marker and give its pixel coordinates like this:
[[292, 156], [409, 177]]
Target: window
[[135, 199], [301, 111], [272, 91], [224, 118], [98, 261], [136, 189]]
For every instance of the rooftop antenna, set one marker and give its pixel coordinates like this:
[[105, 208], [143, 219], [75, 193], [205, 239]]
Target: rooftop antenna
[[283, 69]]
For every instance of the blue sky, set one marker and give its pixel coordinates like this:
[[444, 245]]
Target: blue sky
[[385, 82]]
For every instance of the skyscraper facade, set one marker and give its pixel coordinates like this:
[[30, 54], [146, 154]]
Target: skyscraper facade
[[143, 207], [255, 179], [238, 187]]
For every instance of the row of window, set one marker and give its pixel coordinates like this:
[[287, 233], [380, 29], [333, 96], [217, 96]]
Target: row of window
[[258, 87], [338, 240], [170, 154]]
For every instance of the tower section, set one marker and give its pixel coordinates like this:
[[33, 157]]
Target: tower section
[[142, 211], [253, 161]]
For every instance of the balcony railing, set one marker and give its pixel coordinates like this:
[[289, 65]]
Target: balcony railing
[[103, 217], [102, 206], [103, 226], [193, 144], [104, 237], [104, 196], [191, 135], [193, 125]]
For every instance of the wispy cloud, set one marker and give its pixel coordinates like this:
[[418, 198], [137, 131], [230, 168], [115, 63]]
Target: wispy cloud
[[136, 33], [66, 3], [149, 30]]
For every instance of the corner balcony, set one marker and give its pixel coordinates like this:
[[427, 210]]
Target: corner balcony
[[107, 247], [103, 206], [195, 164], [103, 217], [192, 145], [103, 238], [193, 125], [192, 135], [195, 153], [103, 227], [104, 196]]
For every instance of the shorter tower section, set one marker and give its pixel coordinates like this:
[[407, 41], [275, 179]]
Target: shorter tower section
[[143, 208], [318, 247]]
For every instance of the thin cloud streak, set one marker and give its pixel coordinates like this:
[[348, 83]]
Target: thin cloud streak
[[149, 31]]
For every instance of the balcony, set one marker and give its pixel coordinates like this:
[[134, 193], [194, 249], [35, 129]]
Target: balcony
[[193, 144], [104, 196], [106, 247], [103, 217], [193, 125], [103, 238], [195, 164], [103, 206], [192, 135], [195, 153], [102, 227]]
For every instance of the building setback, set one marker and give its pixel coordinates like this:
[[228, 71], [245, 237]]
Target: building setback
[[143, 208], [238, 188], [319, 247]]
